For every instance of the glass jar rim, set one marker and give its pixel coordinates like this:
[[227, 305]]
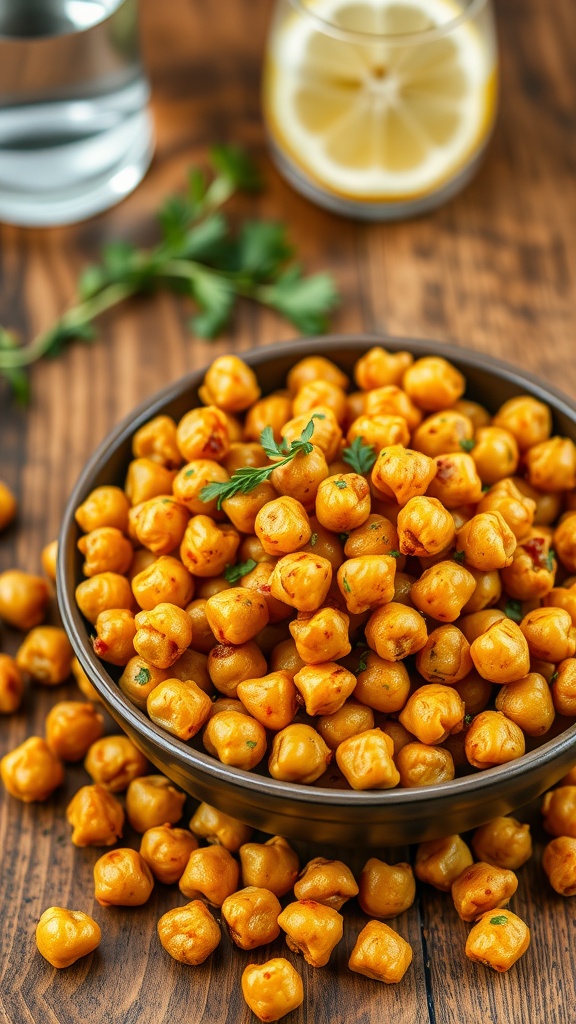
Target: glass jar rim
[[327, 27]]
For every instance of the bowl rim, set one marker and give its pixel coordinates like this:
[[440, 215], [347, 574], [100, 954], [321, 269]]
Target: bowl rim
[[197, 762]]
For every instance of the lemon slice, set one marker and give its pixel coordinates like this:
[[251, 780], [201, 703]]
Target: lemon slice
[[375, 119]]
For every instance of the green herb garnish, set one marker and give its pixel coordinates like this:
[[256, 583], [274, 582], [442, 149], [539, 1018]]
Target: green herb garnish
[[548, 560], [346, 585], [459, 556], [251, 744], [313, 540], [394, 553], [362, 664], [513, 609], [500, 919], [360, 456], [341, 484], [467, 443], [143, 676], [343, 537], [234, 573]]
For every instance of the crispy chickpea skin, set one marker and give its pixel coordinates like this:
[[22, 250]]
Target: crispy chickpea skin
[[190, 933], [395, 630], [559, 863], [380, 954], [377, 536], [166, 851], [321, 636], [329, 882], [299, 478], [564, 688], [493, 739], [443, 590], [229, 665], [71, 728], [105, 549], [46, 655], [31, 772], [378, 368], [320, 394], [298, 754], [445, 657], [235, 739], [23, 598], [501, 653], [327, 434], [273, 410], [552, 464], [421, 764], [382, 685], [203, 434], [165, 581], [97, 818], [153, 800], [392, 401], [531, 574], [301, 580], [433, 712], [455, 481], [516, 509], [156, 440], [8, 506], [113, 762], [365, 760], [104, 506], [208, 547], [311, 929], [528, 703], [11, 685], [559, 811], [482, 887], [273, 989], [349, 720], [386, 890], [343, 502], [401, 473], [498, 940], [446, 431], [433, 383], [367, 582], [102, 592], [495, 454], [203, 638], [487, 541], [324, 687], [236, 615], [475, 692], [230, 384], [181, 708], [163, 634], [122, 879], [63, 936], [526, 418], [216, 827], [564, 541], [211, 874], [114, 639], [487, 592], [439, 862], [549, 633], [503, 842], [272, 865], [270, 699], [313, 368], [251, 915], [425, 527], [379, 431], [139, 678], [146, 479], [282, 526]]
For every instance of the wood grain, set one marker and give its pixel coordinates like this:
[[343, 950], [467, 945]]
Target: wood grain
[[494, 270]]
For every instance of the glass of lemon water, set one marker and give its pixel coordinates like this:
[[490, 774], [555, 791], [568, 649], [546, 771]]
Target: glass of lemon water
[[380, 109]]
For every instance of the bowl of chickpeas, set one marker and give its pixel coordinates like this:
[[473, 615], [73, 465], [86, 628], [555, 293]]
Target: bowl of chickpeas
[[330, 587]]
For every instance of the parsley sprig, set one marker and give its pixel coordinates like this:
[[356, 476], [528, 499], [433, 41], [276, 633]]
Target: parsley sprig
[[234, 573], [246, 478], [198, 256], [360, 456]]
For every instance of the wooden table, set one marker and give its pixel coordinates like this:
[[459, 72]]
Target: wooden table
[[495, 270]]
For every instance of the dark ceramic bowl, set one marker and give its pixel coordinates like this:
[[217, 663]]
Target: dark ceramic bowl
[[308, 812]]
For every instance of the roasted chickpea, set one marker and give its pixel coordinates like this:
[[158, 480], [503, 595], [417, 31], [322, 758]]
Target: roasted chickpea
[[377, 536], [487, 541], [493, 739], [63, 936], [282, 526], [113, 762], [105, 549], [314, 368], [531, 573], [321, 636], [8, 506], [433, 712], [181, 708], [564, 541], [146, 479], [365, 760], [31, 771], [97, 818], [528, 702], [166, 851], [71, 728], [482, 887], [285, 658], [379, 431], [235, 739], [501, 653], [516, 509], [48, 558], [141, 560], [114, 638], [386, 890], [495, 454], [104, 506], [564, 688], [559, 811], [382, 685], [425, 527], [498, 940], [203, 434], [443, 590], [487, 591], [235, 616], [122, 879], [153, 800], [548, 503], [350, 719], [273, 989], [208, 547], [301, 580], [203, 639], [445, 431], [421, 764], [559, 863], [552, 464], [216, 827], [272, 865], [475, 691], [367, 582], [272, 411], [101, 593], [46, 655], [401, 473], [270, 699], [162, 634], [478, 623], [242, 509], [326, 435], [455, 481], [242, 453], [445, 657], [380, 954], [320, 394], [343, 502], [23, 598], [325, 544], [211, 874], [394, 631], [329, 882], [139, 679], [433, 383], [439, 862], [229, 665], [190, 933], [298, 754], [324, 687], [165, 581], [230, 384], [300, 478], [83, 683], [402, 588], [503, 842], [549, 633], [11, 685], [378, 368], [311, 929], [399, 736], [157, 441], [526, 418], [392, 401], [252, 917]]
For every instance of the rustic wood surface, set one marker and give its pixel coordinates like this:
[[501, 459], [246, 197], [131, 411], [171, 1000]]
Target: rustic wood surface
[[496, 271]]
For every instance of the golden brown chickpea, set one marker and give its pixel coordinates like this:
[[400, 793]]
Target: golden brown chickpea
[[487, 591], [298, 754], [399, 736], [421, 764], [208, 547], [211, 874], [495, 454], [367, 582], [122, 879], [282, 526], [274, 410], [377, 536], [564, 541], [156, 441], [321, 636], [559, 811], [139, 679], [475, 691], [320, 394], [343, 502], [498, 940], [11, 685], [445, 431], [439, 862], [165, 581], [258, 579], [445, 657], [163, 634], [493, 739], [329, 882], [549, 633], [63, 936], [325, 544], [402, 588], [203, 434], [8, 506], [354, 407], [401, 473], [324, 687], [146, 479], [273, 989], [23, 598], [564, 688], [71, 728], [190, 933], [311, 929], [365, 760], [516, 509], [97, 818], [482, 887], [141, 560], [487, 541], [559, 863], [378, 368], [113, 762], [271, 699], [380, 954], [300, 478], [314, 368], [46, 655], [548, 503], [229, 665], [501, 653], [272, 865], [531, 574], [241, 454], [31, 771], [326, 435], [83, 683], [386, 890], [478, 623], [211, 585], [242, 509], [526, 418], [166, 850], [382, 685], [390, 400], [301, 580], [114, 639], [235, 739], [528, 701], [395, 631], [104, 506], [181, 708], [216, 827], [230, 384], [425, 527], [235, 616], [552, 464], [153, 800], [105, 549], [252, 917], [474, 411], [455, 481], [49, 558], [379, 431], [433, 383], [102, 592], [503, 842], [285, 658], [443, 590]]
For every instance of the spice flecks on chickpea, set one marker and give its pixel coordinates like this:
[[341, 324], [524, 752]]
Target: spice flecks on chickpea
[[31, 772], [203, 434], [165, 581], [324, 687], [237, 615], [235, 739], [251, 915], [162, 634], [498, 940], [97, 818], [122, 879], [433, 712], [445, 657], [482, 887], [270, 699], [312, 929], [401, 473], [329, 882], [380, 954], [23, 598], [63, 936], [366, 582], [229, 665], [114, 639], [211, 874], [301, 580], [443, 590], [455, 481], [230, 384], [395, 631], [528, 702], [273, 989], [105, 549], [181, 708], [190, 933], [282, 526]]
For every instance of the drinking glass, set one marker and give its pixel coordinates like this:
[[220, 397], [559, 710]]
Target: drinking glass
[[380, 109], [75, 131]]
